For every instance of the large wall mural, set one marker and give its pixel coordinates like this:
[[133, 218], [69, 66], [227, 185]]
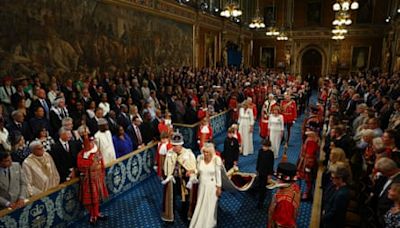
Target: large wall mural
[[50, 36]]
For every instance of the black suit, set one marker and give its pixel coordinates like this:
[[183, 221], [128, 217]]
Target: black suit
[[384, 203], [124, 120], [132, 134], [265, 166], [190, 116], [56, 120], [64, 160], [136, 95], [37, 103], [346, 143], [112, 125], [16, 97], [24, 129], [37, 124], [86, 102], [155, 123], [231, 152], [148, 132], [92, 125]]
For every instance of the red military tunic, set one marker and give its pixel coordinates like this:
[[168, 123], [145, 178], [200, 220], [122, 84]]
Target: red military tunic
[[93, 188], [232, 104], [204, 134], [289, 111], [284, 207]]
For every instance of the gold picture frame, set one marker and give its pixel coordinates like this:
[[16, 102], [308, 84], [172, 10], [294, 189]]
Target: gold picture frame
[[360, 58], [267, 57]]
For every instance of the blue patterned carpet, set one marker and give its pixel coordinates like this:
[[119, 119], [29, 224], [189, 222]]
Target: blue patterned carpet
[[141, 206]]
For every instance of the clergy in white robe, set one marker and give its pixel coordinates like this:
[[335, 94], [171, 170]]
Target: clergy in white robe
[[104, 141], [40, 170], [246, 123], [209, 169]]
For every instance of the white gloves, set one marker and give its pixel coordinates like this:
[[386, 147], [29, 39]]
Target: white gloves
[[168, 179]]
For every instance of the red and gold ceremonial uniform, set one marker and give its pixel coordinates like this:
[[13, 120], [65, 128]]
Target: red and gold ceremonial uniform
[[284, 207], [307, 163], [93, 188]]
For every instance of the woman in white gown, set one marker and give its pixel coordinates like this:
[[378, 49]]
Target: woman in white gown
[[209, 168], [276, 128], [246, 123]]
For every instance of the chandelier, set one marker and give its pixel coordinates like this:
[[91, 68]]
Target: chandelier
[[342, 17], [345, 5], [282, 36], [257, 22], [231, 10], [272, 31], [338, 33]]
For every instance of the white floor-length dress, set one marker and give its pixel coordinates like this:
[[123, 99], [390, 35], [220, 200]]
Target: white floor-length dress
[[246, 121], [205, 213], [275, 127]]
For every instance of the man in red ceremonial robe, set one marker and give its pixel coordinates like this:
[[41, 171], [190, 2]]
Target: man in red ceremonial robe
[[163, 147], [93, 188], [166, 124], [289, 112], [248, 91], [286, 201], [265, 112], [307, 163], [233, 105], [203, 111], [204, 133]]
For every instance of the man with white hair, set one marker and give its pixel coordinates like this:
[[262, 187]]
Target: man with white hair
[[40, 170], [57, 113]]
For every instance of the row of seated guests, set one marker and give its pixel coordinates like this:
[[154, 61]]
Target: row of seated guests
[[363, 135], [123, 105]]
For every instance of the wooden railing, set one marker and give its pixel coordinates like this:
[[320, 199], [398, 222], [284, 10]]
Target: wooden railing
[[317, 199]]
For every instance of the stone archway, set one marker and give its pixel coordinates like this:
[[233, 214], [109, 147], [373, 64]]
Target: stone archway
[[312, 60]]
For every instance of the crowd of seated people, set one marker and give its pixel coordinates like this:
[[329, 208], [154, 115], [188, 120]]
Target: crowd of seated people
[[42, 123], [363, 137]]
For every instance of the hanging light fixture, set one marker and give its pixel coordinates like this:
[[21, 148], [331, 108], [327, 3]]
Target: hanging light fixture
[[231, 10], [345, 5], [282, 36], [272, 30], [257, 22]]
